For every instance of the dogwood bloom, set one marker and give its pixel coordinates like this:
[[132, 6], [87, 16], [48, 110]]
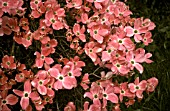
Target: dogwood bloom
[[138, 87], [26, 94], [7, 100]]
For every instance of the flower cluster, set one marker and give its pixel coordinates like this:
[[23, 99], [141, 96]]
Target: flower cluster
[[101, 30]]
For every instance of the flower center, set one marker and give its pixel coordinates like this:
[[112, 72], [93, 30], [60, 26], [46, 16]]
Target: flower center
[[61, 78], [104, 95], [40, 82], [26, 94], [95, 96], [28, 38], [109, 51], [135, 31], [42, 57], [91, 50], [70, 74], [122, 91], [52, 20], [95, 32], [137, 87], [36, 2], [132, 62], [4, 4], [120, 41], [8, 63], [4, 101], [117, 65]]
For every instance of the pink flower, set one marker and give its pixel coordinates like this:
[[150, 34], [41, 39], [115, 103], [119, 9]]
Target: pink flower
[[41, 58], [26, 94], [147, 38], [77, 62], [138, 87], [94, 94], [74, 3], [85, 81], [151, 84], [49, 47], [91, 50], [39, 82], [79, 32], [109, 95], [134, 60], [7, 100], [8, 62], [136, 31], [70, 107], [93, 107], [62, 79], [49, 86], [119, 66], [98, 32], [123, 90], [51, 18], [3, 78]]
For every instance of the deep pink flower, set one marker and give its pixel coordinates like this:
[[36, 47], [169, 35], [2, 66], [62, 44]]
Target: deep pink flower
[[7, 99], [85, 81], [147, 38], [94, 94], [93, 107], [3, 78], [49, 47], [123, 90], [108, 94], [77, 62], [8, 62], [134, 60], [70, 107], [26, 94], [98, 32], [79, 32], [51, 18], [39, 82], [138, 87], [63, 81], [91, 50], [74, 3], [41, 58], [50, 91], [151, 84], [136, 31]]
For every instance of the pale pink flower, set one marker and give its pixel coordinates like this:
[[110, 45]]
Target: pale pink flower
[[79, 32], [41, 58], [26, 94], [91, 50], [85, 81], [138, 87], [94, 94], [51, 18], [70, 107], [63, 81], [7, 100], [74, 3], [151, 84], [109, 95], [39, 82], [147, 38], [8, 62], [98, 32], [123, 91], [93, 107]]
